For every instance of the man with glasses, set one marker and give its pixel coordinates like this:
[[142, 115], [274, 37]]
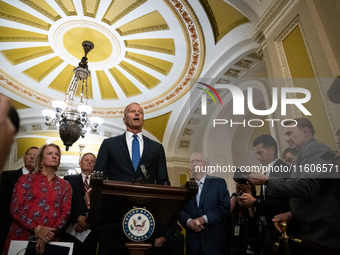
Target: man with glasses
[[204, 216]]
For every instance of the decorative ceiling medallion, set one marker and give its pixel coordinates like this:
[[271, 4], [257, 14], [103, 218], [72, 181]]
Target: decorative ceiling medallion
[[61, 31]]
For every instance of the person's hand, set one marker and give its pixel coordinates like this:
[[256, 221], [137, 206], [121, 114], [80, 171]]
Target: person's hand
[[159, 241], [7, 130], [281, 217], [335, 160], [82, 225], [81, 221], [245, 188], [87, 197], [201, 220], [46, 234], [195, 225], [246, 200], [79, 228], [257, 178], [40, 246]]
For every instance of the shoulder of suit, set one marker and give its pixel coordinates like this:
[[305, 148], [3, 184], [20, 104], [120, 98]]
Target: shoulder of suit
[[114, 138], [11, 172], [73, 176], [147, 139], [216, 178], [279, 162], [316, 146]]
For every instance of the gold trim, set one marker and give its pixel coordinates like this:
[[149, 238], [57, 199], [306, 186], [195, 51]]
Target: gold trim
[[123, 13], [284, 65], [41, 10], [121, 85], [217, 35], [24, 21], [139, 78], [107, 10], [23, 39], [151, 66], [44, 74], [24, 59], [24, 91], [89, 14], [143, 30], [150, 48], [63, 7], [232, 26], [194, 33], [192, 67]]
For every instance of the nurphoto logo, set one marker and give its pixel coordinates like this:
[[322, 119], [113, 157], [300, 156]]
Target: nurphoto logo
[[239, 103]]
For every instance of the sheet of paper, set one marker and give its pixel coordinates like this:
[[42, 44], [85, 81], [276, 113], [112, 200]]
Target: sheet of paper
[[80, 236]]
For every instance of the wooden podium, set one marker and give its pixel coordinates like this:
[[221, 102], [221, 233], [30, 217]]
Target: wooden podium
[[110, 200]]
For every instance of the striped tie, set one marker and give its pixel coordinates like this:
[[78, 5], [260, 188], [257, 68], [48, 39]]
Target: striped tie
[[86, 184]]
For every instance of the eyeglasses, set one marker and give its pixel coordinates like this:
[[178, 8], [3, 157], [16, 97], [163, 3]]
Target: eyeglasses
[[196, 161]]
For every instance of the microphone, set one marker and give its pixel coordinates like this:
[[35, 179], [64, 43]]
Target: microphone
[[144, 172], [145, 175]]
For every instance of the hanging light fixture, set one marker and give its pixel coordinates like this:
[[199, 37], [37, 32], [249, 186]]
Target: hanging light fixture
[[72, 119]]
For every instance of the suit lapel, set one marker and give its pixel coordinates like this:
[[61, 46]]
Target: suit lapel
[[205, 190], [80, 182], [146, 148], [123, 145]]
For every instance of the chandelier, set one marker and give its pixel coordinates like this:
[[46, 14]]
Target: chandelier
[[72, 119]]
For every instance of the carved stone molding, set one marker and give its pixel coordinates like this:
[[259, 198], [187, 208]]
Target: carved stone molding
[[286, 72], [284, 62], [272, 16]]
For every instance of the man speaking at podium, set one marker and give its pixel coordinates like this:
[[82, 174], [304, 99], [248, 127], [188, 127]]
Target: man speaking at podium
[[120, 158], [130, 157]]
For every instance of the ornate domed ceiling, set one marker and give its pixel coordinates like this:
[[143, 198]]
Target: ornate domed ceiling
[[145, 51]]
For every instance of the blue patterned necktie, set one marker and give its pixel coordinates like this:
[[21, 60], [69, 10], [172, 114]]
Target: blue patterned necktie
[[135, 152]]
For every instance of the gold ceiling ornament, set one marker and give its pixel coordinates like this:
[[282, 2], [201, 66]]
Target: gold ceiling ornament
[[73, 119]]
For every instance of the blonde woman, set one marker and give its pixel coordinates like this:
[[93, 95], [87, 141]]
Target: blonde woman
[[41, 202]]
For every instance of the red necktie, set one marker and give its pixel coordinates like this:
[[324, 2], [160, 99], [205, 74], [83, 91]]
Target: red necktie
[[86, 184]]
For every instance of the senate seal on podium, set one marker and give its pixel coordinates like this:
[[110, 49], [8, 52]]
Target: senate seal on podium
[[138, 224]]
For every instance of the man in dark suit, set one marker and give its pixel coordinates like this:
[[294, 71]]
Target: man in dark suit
[[314, 202], [204, 216], [8, 180], [129, 157], [116, 153], [80, 183], [267, 206]]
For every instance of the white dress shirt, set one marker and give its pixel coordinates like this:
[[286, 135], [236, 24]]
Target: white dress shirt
[[129, 139], [25, 171]]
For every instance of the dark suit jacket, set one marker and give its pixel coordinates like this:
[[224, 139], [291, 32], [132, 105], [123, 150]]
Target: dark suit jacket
[[8, 180], [314, 200], [114, 160], [273, 205], [78, 206], [214, 203]]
